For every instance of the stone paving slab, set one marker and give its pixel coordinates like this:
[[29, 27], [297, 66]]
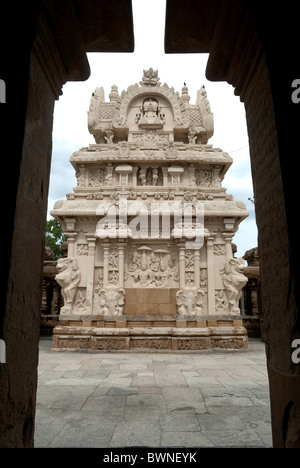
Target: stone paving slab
[[106, 400]]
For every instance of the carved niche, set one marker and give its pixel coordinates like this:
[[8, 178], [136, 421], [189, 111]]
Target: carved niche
[[189, 302], [151, 267], [111, 302], [68, 278]]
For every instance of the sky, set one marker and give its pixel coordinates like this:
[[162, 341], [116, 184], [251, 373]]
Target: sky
[[70, 131]]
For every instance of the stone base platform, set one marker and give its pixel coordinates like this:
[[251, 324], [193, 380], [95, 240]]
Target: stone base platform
[[144, 334]]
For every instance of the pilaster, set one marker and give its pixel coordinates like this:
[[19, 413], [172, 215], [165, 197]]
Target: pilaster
[[90, 272], [211, 305]]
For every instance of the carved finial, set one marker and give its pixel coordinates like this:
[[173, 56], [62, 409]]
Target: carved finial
[[113, 96], [150, 78], [185, 93]]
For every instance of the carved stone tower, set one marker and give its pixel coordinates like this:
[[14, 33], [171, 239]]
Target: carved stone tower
[[150, 228]]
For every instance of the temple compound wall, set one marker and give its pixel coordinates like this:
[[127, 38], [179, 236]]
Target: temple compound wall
[[150, 229]]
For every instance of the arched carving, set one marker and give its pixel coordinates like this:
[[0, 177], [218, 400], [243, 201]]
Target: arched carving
[[181, 120]]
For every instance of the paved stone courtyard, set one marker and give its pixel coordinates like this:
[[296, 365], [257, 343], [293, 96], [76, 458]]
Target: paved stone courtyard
[[106, 400]]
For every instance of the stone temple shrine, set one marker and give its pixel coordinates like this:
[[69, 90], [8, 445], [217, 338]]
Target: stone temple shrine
[[150, 228]]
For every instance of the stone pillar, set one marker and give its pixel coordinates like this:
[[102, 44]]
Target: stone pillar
[[210, 275], [123, 171], [228, 246], [90, 273], [216, 180], [109, 169], [197, 268], [54, 303], [181, 248], [106, 248], [191, 169], [165, 175], [121, 251], [134, 176], [71, 243]]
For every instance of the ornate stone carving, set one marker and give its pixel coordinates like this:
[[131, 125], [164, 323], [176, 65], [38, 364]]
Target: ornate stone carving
[[189, 302], [150, 78], [124, 151], [233, 281], [219, 249], [150, 176], [80, 175], [221, 301], [99, 279], [68, 278], [111, 302], [203, 177], [151, 268], [150, 136], [97, 176], [203, 277], [82, 249], [192, 135], [109, 137], [189, 259], [171, 152], [150, 116], [80, 301], [151, 148]]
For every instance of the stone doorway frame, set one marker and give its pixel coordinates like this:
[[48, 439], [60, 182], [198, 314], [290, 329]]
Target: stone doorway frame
[[243, 45]]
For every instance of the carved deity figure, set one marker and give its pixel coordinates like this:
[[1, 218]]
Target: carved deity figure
[[189, 302], [68, 278], [142, 176], [192, 135], [111, 302], [109, 138], [234, 281], [150, 108], [142, 276], [161, 278]]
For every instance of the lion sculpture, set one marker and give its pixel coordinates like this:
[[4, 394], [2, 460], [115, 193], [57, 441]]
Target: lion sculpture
[[68, 278], [234, 281]]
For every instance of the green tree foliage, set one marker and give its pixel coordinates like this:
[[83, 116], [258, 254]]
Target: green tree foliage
[[54, 237]]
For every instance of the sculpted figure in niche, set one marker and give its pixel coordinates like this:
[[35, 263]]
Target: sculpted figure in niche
[[153, 262], [189, 302], [234, 281], [81, 301], [109, 138], [142, 176], [149, 176], [150, 270], [135, 261], [68, 278], [111, 302], [80, 175], [192, 135], [113, 277], [161, 278], [99, 284], [150, 108]]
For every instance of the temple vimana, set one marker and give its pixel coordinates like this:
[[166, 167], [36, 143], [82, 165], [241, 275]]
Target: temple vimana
[[150, 264]]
